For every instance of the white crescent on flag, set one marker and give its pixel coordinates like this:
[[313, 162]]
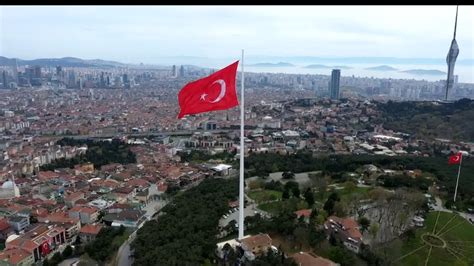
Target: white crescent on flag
[[222, 92], [457, 158]]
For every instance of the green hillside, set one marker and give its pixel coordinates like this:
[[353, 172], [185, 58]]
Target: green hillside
[[430, 119]]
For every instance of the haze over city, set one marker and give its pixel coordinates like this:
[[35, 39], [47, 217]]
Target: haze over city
[[144, 34]]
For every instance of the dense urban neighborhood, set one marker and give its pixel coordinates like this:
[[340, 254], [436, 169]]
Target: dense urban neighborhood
[[96, 169]]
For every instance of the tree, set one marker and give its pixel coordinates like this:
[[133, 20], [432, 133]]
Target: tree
[[286, 194], [340, 209], [341, 255], [316, 237], [67, 251], [329, 206], [350, 186], [301, 235], [296, 192], [364, 223], [288, 175], [374, 229], [309, 197]]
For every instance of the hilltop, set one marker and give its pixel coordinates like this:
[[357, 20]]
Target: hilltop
[[430, 119], [65, 61]]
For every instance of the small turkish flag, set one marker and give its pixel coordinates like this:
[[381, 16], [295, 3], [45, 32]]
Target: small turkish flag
[[455, 159], [212, 93], [45, 248]]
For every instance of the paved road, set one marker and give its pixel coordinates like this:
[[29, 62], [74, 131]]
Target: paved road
[[167, 133], [439, 207], [125, 253]]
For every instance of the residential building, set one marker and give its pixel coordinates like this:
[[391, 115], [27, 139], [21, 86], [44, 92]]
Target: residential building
[[89, 232], [345, 230], [17, 257], [40, 241], [86, 214], [19, 223], [256, 245], [309, 259]]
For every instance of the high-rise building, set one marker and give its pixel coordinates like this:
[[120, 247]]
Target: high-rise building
[[181, 71], [59, 70], [334, 84], [174, 71], [37, 70], [15, 71], [4, 79], [102, 80]]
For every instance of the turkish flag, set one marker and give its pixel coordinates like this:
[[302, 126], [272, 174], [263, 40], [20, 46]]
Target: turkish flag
[[212, 93], [45, 248], [455, 159]]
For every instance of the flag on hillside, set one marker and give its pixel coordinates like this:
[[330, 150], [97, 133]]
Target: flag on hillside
[[455, 158], [212, 93]]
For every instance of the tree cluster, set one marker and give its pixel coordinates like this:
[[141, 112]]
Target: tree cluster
[[185, 233], [98, 152]]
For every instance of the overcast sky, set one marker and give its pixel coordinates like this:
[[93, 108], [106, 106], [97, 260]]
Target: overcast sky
[[134, 34]]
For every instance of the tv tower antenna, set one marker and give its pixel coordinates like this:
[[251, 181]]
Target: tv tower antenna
[[451, 58]]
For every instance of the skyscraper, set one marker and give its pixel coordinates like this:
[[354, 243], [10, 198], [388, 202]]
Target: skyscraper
[[451, 58], [334, 84], [15, 71], [181, 71], [174, 71], [4, 79]]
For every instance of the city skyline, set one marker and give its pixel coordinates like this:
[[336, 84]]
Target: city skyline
[[116, 33]]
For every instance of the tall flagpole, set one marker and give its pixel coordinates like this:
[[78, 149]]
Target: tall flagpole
[[242, 151], [457, 181]]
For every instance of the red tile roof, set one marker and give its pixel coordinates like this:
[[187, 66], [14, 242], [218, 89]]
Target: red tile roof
[[91, 229], [305, 212], [306, 259], [14, 255]]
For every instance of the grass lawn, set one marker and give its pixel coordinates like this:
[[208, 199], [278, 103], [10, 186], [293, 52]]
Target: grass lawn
[[275, 207], [261, 196], [344, 193], [446, 239]]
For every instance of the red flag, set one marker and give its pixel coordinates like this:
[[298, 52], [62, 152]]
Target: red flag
[[45, 248], [212, 93], [455, 159]]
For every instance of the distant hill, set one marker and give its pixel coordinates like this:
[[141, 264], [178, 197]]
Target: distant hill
[[430, 119], [280, 64], [424, 72], [65, 62], [342, 67], [382, 68], [317, 66]]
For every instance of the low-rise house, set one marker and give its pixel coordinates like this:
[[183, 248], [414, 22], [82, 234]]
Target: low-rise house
[[19, 223], [309, 259], [127, 218], [5, 229], [346, 230], [72, 198], [124, 194], [89, 232], [17, 257], [305, 213], [86, 214], [256, 245], [61, 218]]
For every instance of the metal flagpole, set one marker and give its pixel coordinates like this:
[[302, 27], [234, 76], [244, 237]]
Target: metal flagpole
[[242, 151], [457, 181]]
